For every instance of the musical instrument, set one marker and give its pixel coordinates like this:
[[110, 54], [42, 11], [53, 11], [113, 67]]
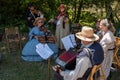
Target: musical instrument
[[46, 39], [67, 60], [49, 37], [42, 39]]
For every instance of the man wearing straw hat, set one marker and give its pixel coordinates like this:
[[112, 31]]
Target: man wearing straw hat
[[91, 54]]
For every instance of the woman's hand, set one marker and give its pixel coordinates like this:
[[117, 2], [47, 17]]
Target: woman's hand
[[36, 37], [66, 20], [45, 30], [51, 20], [105, 55]]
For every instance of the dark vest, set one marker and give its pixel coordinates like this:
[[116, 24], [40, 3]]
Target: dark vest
[[97, 56], [97, 53]]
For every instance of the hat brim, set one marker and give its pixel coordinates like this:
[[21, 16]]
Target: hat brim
[[43, 19], [37, 19], [80, 36]]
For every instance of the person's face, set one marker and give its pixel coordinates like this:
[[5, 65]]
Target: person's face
[[85, 42], [62, 9], [102, 27], [32, 8], [40, 22]]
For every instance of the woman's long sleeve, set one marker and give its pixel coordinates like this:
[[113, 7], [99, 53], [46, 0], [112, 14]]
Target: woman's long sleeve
[[31, 34]]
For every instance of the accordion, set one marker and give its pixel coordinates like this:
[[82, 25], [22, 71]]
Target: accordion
[[46, 39], [67, 60]]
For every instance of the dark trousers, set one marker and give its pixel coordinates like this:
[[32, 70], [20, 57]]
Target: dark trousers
[[57, 76]]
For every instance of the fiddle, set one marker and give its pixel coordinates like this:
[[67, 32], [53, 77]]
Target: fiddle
[[44, 29]]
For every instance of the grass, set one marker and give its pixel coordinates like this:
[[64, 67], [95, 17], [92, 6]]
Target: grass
[[13, 67]]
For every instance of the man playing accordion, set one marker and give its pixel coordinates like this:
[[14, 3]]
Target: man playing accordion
[[91, 54]]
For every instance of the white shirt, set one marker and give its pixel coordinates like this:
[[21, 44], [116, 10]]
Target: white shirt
[[82, 64], [107, 41]]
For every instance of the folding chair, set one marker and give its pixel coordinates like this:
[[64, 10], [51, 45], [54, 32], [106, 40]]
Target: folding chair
[[116, 61], [94, 70], [48, 68], [12, 36]]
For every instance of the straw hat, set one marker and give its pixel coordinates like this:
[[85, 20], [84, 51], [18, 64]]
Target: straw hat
[[37, 19], [87, 34]]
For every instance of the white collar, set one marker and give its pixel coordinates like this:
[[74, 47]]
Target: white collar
[[88, 45]]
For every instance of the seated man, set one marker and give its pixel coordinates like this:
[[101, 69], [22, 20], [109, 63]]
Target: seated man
[[92, 54]]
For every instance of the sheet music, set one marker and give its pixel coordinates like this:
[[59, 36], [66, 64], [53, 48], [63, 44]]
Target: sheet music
[[72, 37], [44, 51], [69, 41]]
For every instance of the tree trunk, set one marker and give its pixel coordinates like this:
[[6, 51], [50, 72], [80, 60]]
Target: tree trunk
[[109, 12], [116, 11], [79, 11], [75, 11], [101, 10]]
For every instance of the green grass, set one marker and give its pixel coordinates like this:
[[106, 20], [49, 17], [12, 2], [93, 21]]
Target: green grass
[[13, 67]]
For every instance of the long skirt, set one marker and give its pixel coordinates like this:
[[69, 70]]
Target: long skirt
[[29, 51]]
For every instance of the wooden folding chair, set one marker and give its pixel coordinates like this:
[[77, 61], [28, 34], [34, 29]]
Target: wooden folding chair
[[12, 36], [116, 61], [94, 70], [48, 68]]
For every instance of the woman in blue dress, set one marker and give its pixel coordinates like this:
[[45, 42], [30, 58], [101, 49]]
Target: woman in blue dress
[[29, 51]]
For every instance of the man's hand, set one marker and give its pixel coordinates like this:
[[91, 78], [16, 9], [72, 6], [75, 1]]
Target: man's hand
[[28, 18], [57, 68]]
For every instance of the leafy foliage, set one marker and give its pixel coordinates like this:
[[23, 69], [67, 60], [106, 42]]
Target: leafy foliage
[[12, 11]]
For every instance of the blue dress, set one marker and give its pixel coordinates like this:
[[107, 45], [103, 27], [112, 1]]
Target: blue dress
[[29, 50]]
